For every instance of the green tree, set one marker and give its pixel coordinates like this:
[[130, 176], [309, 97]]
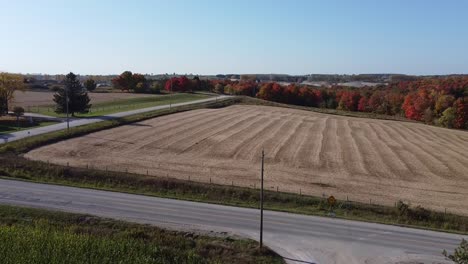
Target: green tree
[[156, 87], [460, 256], [78, 99], [140, 88], [443, 102], [90, 85], [9, 83], [448, 116]]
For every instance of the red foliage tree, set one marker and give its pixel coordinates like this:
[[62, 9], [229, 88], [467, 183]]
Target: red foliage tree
[[349, 100], [409, 109], [363, 105], [461, 113], [178, 84]]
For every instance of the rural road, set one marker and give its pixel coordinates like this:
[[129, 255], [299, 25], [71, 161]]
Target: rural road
[[298, 238], [4, 138]]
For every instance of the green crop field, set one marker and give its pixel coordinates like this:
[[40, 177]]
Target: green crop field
[[39, 236]]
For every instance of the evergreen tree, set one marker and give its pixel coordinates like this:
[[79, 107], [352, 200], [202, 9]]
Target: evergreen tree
[[78, 100]]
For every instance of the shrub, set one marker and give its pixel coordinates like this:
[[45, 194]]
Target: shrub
[[460, 256]]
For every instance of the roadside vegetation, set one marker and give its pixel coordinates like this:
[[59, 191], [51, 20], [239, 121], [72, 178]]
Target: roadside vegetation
[[401, 214], [40, 236], [460, 254]]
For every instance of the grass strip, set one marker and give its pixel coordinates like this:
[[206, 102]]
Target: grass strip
[[10, 128], [255, 101]]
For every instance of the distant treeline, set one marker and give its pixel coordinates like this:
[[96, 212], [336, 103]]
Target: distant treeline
[[441, 101]]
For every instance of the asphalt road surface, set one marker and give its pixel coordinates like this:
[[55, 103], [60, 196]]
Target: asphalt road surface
[[4, 138], [298, 238]]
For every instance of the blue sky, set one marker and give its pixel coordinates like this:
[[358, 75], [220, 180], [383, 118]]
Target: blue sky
[[234, 36]]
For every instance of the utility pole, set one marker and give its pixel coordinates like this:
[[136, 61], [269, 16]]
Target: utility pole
[[261, 202], [66, 99], [170, 99]]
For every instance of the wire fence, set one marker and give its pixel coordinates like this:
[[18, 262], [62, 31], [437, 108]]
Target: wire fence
[[101, 109], [156, 171]]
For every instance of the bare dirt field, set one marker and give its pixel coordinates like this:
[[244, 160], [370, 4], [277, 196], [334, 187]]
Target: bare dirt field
[[317, 154], [30, 98]]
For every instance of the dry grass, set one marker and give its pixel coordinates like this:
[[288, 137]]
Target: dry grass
[[364, 159]]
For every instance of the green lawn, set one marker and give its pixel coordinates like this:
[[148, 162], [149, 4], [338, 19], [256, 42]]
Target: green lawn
[[6, 128], [40, 236], [123, 105]]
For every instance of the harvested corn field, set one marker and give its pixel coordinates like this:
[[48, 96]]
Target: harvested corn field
[[363, 159]]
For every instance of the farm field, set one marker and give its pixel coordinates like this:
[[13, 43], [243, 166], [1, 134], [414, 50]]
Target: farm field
[[113, 102], [33, 99], [366, 160]]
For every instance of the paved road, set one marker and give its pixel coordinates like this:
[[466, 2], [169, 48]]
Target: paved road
[[296, 237], [84, 121]]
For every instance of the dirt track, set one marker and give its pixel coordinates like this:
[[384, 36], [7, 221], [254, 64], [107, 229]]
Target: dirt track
[[309, 152], [30, 98]]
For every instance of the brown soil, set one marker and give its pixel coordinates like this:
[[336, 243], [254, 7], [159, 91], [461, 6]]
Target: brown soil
[[363, 159]]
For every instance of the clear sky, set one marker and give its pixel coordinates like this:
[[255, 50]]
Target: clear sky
[[234, 36]]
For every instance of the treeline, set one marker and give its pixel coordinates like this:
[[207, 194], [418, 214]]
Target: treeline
[[438, 101], [134, 82]]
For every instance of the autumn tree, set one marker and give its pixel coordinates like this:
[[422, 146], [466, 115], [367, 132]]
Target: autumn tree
[[9, 83], [219, 88], [461, 113], [443, 102], [349, 100], [377, 102], [178, 84], [72, 94], [128, 81], [363, 105], [408, 107], [90, 85]]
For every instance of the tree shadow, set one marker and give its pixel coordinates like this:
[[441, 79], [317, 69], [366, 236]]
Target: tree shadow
[[4, 137]]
